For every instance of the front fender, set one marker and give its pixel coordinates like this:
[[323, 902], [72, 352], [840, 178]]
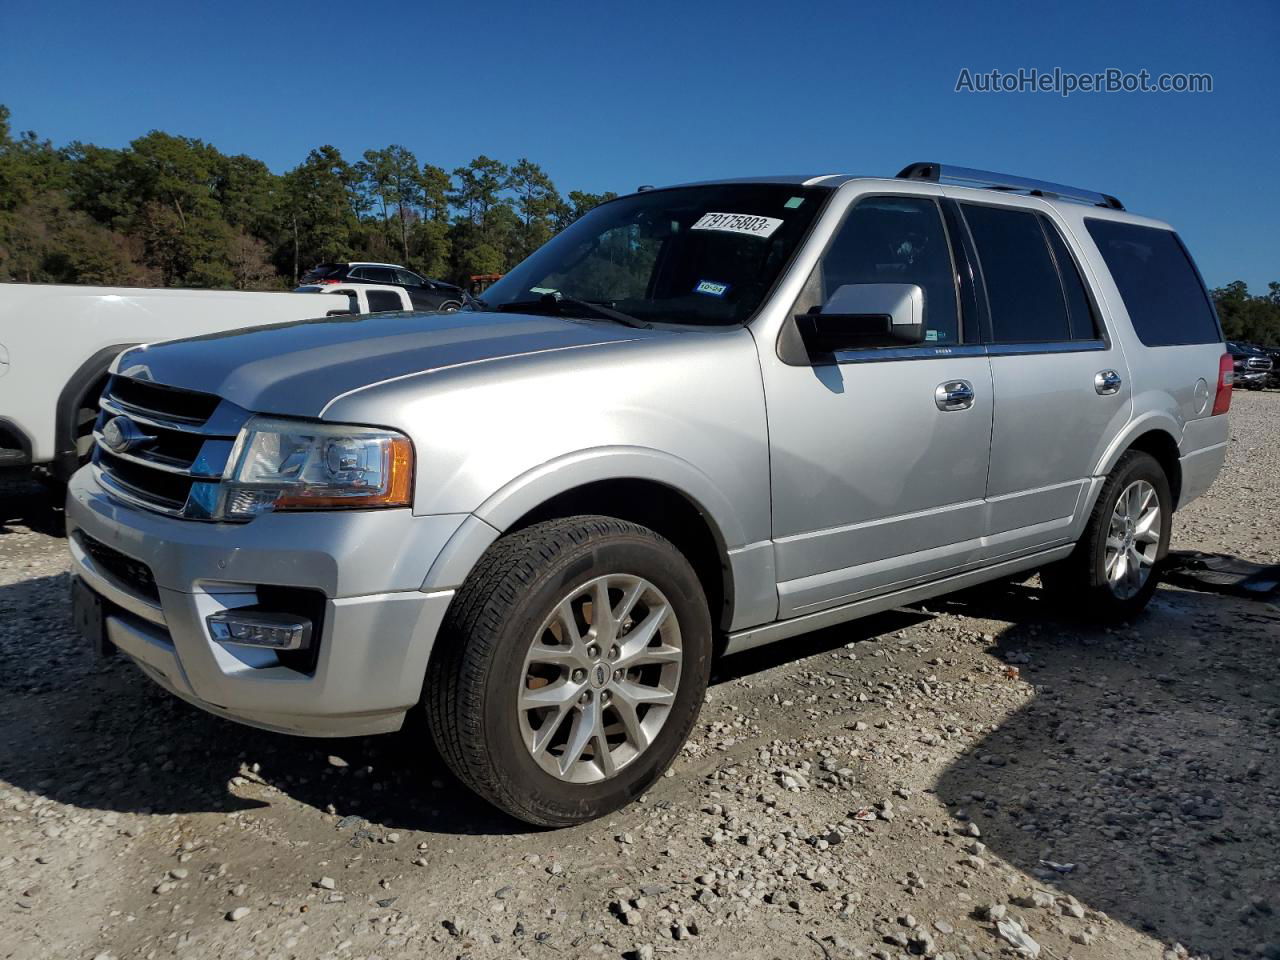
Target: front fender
[[534, 487]]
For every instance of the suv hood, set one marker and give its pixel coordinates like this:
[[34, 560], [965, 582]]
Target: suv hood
[[297, 368]]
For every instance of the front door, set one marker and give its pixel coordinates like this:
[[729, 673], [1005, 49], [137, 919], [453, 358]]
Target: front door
[[878, 481]]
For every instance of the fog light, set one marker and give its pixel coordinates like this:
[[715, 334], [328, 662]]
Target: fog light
[[260, 628]]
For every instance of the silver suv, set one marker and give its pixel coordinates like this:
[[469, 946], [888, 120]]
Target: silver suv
[[699, 420]]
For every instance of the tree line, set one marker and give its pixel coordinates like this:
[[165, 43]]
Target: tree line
[[1253, 319], [177, 212]]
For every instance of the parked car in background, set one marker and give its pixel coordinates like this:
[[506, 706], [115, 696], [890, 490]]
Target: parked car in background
[[56, 368], [362, 297], [57, 341], [1272, 351], [424, 293], [699, 420], [1252, 365]]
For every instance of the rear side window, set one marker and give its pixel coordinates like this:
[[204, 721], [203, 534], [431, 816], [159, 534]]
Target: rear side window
[[1024, 291], [382, 300], [1157, 281]]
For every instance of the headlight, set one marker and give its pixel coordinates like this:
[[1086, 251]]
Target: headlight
[[282, 464]]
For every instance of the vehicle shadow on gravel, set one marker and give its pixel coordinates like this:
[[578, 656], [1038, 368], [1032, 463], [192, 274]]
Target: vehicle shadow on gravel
[[99, 735], [1147, 759]]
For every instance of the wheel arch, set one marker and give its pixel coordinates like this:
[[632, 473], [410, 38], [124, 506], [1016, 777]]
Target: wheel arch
[[1156, 435], [651, 488], [71, 398]]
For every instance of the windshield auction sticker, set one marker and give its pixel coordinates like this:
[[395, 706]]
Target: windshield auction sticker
[[738, 223]]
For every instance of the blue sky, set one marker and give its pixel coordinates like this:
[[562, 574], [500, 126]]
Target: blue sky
[[609, 96]]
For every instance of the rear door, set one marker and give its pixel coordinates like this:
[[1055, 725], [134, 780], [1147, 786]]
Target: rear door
[[1061, 384]]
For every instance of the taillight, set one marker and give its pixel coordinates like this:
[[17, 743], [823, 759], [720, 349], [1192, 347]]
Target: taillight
[[322, 282], [1226, 377]]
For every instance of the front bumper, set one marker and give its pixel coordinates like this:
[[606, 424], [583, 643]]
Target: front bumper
[[1251, 378], [378, 626]]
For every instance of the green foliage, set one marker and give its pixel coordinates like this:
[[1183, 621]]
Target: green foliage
[[175, 211], [1253, 319]]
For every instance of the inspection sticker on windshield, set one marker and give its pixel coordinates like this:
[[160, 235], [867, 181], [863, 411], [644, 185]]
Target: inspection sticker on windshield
[[738, 223], [711, 288]]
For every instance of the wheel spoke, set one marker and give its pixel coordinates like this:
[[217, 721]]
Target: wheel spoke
[[580, 735], [660, 654], [630, 719], [1148, 528], [1121, 568], [552, 695], [560, 656], [629, 600], [641, 635], [638, 693], [569, 624], [603, 754], [550, 724], [604, 628]]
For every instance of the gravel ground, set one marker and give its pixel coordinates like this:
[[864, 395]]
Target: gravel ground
[[908, 785]]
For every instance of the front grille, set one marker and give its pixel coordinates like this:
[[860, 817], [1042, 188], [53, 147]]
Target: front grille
[[1258, 363], [167, 448], [130, 573], [170, 403]]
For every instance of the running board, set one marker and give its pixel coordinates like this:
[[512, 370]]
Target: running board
[[785, 629]]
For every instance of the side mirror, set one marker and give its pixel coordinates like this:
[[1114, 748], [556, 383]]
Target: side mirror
[[861, 315]]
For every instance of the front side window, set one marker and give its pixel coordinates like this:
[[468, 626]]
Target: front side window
[[378, 274], [900, 240], [705, 255], [405, 278], [1162, 292], [1024, 292]]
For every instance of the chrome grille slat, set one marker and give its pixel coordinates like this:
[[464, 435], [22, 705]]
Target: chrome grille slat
[[182, 455]]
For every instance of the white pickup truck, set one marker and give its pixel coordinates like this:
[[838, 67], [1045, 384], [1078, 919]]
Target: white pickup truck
[[56, 343]]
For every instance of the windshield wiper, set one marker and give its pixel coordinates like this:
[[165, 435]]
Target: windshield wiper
[[559, 302], [609, 312]]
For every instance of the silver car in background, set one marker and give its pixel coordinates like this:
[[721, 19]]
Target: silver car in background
[[699, 420]]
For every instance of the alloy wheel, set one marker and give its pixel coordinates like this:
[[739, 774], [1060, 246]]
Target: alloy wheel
[[600, 678], [1133, 539]]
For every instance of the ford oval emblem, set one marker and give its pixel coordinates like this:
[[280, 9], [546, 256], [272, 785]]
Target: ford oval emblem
[[120, 435]]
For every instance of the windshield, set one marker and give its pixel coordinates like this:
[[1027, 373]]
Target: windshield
[[701, 255]]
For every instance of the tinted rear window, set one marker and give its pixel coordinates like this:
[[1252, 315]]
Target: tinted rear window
[[1023, 288], [323, 271], [380, 300], [1157, 281]]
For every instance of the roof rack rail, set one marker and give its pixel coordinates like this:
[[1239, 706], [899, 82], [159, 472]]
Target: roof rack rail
[[968, 177]]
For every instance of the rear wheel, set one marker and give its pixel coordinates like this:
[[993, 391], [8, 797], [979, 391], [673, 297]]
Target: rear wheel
[[1115, 567], [571, 669]]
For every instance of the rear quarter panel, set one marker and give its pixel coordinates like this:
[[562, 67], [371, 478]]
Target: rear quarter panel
[[1172, 386]]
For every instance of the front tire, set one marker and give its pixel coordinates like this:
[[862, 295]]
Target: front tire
[[1115, 568], [550, 709]]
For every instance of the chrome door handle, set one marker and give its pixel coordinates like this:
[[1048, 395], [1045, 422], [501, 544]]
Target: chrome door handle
[[1106, 382], [954, 395]]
